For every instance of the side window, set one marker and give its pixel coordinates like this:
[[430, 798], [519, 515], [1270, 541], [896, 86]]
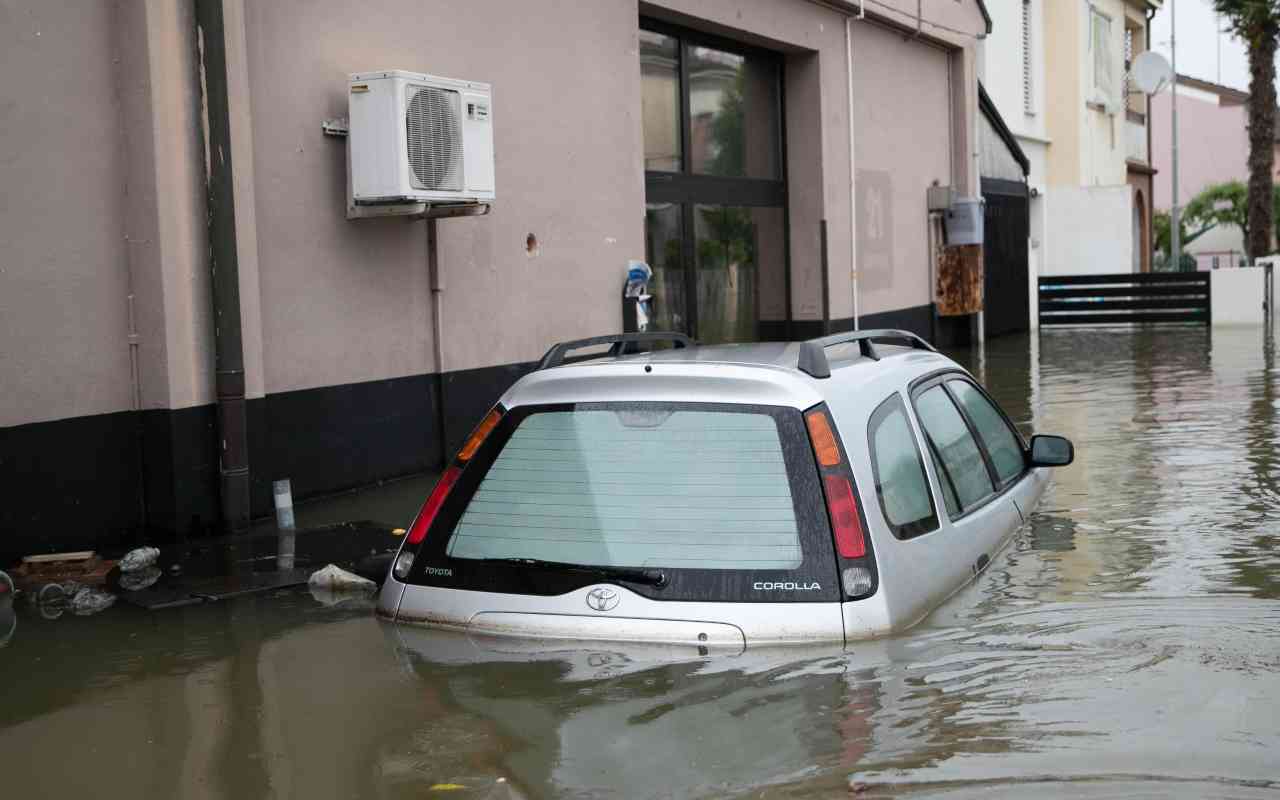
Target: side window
[[901, 484], [956, 456], [1001, 441]]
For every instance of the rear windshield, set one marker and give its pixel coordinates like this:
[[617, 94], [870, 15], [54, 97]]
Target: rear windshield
[[681, 489], [724, 499]]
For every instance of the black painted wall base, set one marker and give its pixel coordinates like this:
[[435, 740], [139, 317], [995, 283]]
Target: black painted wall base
[[116, 480], [72, 480]]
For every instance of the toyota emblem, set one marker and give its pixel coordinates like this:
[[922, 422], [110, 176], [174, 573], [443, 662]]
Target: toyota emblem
[[602, 598]]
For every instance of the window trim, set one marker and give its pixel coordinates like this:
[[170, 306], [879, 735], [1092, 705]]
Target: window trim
[[940, 378], [917, 528]]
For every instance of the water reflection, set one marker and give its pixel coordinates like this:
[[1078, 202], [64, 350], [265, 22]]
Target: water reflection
[[1126, 644]]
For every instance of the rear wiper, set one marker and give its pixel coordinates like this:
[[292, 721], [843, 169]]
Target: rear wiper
[[651, 577]]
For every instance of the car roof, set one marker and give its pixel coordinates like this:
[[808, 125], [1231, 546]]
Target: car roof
[[761, 372], [760, 354]]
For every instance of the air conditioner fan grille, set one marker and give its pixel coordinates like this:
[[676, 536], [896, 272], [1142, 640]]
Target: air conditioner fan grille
[[434, 138]]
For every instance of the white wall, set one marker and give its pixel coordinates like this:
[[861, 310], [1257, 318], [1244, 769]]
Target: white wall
[[1088, 230], [1002, 65], [1220, 241], [1237, 296]]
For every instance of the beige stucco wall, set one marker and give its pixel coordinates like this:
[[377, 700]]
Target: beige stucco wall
[[902, 148], [63, 269], [348, 301], [1064, 92], [164, 199], [103, 171], [1088, 142]]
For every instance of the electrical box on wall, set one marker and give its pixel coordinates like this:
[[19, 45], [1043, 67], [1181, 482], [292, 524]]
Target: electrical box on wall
[[419, 139], [940, 197], [964, 221]]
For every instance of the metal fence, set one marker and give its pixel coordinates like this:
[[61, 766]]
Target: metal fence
[[1125, 298]]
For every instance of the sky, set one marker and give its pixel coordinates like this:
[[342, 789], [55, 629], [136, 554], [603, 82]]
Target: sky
[[1203, 52]]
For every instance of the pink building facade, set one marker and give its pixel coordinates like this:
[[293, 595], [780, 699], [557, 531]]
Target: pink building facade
[[1213, 148]]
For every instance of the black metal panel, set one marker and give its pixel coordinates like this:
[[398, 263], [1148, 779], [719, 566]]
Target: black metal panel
[[1125, 298], [675, 187], [1006, 300], [1198, 317], [1153, 290], [1137, 304], [1137, 278]]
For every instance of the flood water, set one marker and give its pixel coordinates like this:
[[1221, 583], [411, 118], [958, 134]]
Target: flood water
[[1127, 644]]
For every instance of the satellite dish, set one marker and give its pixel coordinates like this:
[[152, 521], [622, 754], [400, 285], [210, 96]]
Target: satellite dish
[[1151, 72]]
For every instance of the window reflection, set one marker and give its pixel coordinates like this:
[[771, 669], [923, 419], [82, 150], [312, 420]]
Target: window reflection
[[733, 108], [664, 239], [660, 101], [738, 253]]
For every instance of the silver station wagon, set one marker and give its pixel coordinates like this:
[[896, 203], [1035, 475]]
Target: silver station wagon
[[722, 496]]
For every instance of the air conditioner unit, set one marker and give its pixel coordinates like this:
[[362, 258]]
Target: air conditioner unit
[[417, 138]]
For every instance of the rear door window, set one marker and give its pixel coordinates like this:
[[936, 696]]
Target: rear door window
[[901, 484], [957, 459], [1000, 439], [724, 499]]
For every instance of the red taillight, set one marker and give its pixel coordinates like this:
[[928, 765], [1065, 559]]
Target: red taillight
[[843, 507], [432, 507]]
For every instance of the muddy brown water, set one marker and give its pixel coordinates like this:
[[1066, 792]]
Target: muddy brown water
[[1127, 644]]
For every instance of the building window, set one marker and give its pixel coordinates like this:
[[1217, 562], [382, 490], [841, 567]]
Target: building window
[[715, 194], [1100, 43], [1134, 99], [1028, 93]]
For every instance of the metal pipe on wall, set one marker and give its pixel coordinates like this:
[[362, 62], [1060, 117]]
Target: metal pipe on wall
[[437, 335], [233, 450], [853, 189]]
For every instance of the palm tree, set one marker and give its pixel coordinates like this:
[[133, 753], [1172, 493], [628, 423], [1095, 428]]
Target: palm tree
[[1257, 23]]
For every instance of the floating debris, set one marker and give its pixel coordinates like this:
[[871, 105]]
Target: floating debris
[[137, 580], [90, 601], [83, 567], [139, 559], [337, 579], [343, 598]]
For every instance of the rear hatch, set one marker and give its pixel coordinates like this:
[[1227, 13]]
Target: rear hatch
[[654, 521]]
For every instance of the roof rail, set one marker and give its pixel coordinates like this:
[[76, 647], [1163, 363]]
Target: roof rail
[[556, 355], [813, 353]]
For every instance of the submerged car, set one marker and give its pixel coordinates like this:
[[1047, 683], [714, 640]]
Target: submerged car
[[835, 489]]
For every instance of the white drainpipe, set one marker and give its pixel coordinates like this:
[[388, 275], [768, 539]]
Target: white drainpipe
[[853, 194]]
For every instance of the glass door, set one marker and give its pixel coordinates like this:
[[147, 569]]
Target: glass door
[[715, 221]]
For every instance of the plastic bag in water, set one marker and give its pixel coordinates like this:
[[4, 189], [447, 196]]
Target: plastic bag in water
[[139, 579], [337, 579], [91, 601], [141, 558]]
